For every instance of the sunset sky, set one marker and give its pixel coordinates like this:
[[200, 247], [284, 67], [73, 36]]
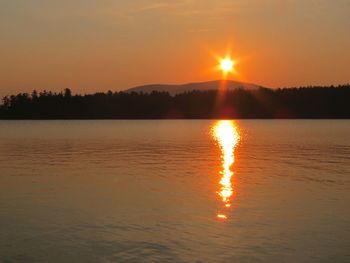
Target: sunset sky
[[96, 45]]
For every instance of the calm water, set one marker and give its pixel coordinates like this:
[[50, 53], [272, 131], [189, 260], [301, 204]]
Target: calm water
[[175, 191]]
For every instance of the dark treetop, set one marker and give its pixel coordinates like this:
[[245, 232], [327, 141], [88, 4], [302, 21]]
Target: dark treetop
[[306, 102]]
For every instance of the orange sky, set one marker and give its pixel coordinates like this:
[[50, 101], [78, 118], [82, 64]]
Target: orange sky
[[96, 45]]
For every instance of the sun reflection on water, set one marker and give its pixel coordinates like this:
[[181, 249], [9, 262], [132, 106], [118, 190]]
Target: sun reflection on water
[[226, 134]]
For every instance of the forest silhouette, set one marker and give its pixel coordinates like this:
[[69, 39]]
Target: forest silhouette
[[262, 103]]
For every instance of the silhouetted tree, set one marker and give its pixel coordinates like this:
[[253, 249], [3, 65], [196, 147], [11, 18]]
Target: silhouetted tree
[[34, 95], [67, 93]]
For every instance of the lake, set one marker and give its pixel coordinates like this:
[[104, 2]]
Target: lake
[[175, 191]]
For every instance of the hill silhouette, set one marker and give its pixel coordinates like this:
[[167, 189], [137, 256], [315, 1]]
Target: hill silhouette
[[239, 103], [174, 89]]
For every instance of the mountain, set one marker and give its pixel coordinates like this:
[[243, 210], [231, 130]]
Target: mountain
[[209, 85]]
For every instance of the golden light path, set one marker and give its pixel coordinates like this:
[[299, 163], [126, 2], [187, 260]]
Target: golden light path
[[226, 134]]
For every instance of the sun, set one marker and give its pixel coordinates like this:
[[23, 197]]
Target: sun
[[226, 65]]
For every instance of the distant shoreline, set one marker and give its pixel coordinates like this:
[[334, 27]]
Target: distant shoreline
[[262, 103], [238, 119]]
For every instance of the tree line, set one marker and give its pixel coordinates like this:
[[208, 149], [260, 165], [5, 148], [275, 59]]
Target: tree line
[[263, 103]]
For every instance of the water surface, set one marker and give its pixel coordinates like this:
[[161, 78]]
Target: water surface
[[175, 191]]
